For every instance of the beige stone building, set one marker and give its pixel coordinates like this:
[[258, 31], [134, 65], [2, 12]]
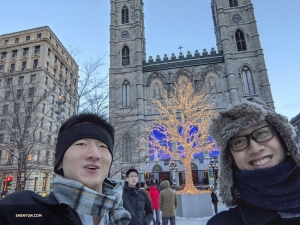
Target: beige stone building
[[234, 70], [35, 70]]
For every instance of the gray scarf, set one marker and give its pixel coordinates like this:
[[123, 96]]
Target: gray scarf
[[86, 201]]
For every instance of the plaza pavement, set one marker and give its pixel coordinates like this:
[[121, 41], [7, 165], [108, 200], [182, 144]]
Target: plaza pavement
[[198, 221]]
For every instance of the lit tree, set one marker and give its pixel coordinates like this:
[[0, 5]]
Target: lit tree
[[182, 123]]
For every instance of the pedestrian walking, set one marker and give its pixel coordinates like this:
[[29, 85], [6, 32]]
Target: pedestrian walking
[[82, 193], [259, 165], [214, 198], [168, 203], [154, 194], [136, 201]]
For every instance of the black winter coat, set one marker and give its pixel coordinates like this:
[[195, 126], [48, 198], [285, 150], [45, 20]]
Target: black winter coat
[[138, 204], [245, 214], [15, 206]]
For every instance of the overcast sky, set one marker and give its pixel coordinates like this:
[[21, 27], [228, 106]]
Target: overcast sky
[[168, 24]]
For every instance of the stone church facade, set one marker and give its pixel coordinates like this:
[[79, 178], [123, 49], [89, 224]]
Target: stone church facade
[[234, 70]]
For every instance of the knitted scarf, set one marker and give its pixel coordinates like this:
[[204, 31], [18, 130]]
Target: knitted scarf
[[86, 201], [276, 188]]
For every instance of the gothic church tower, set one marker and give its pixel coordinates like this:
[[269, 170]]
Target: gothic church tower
[[237, 36], [127, 52]]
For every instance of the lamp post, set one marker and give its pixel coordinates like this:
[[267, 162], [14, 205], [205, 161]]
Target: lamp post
[[213, 165], [173, 167]]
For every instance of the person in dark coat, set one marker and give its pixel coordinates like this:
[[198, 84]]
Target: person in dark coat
[[259, 165], [214, 198], [82, 193], [136, 201]]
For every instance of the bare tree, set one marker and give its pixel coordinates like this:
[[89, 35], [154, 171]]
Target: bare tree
[[182, 124], [92, 91], [22, 120]]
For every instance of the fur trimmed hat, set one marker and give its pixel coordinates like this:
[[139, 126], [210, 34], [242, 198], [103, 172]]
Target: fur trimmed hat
[[234, 119]]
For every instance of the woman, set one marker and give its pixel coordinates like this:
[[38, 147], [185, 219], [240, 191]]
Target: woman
[[259, 165]]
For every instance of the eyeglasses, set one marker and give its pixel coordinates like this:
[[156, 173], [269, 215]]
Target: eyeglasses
[[133, 176], [260, 135]]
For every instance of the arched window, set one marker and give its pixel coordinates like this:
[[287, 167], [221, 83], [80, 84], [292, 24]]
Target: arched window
[[240, 40], [125, 15], [126, 94], [127, 151], [248, 81], [233, 3], [125, 56]]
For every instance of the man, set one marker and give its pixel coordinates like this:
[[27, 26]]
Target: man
[[81, 192], [259, 165], [136, 201], [167, 203], [214, 198]]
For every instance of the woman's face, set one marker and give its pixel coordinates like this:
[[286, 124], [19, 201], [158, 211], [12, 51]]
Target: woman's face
[[259, 155]]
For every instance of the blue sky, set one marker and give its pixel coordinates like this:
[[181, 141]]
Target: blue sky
[[170, 23]]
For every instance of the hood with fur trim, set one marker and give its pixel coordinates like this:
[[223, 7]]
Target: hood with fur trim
[[234, 119]]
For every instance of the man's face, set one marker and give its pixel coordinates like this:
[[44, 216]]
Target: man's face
[[259, 155], [87, 161], [132, 179]]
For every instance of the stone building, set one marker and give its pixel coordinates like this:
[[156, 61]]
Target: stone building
[[36, 74], [234, 70]]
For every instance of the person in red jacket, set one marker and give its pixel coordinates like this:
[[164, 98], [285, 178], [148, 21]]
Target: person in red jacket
[[154, 193]]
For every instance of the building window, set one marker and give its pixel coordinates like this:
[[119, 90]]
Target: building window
[[44, 186], [7, 94], [23, 66], [15, 123], [6, 42], [43, 108], [49, 128], [29, 107], [248, 81], [3, 55], [37, 49], [49, 51], [49, 139], [1, 138], [21, 80], [126, 94], [17, 107], [1, 69], [19, 93], [3, 124], [5, 110], [46, 80], [127, 151], [17, 40], [9, 82], [14, 54], [47, 158], [125, 15], [125, 56], [31, 92], [32, 78], [69, 111], [51, 99], [25, 51], [27, 38], [53, 86], [50, 113], [54, 72], [55, 59], [39, 35], [35, 63], [9, 157], [233, 3], [12, 68], [240, 40]]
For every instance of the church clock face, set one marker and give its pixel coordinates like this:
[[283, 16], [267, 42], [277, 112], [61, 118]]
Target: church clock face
[[125, 34], [236, 18]]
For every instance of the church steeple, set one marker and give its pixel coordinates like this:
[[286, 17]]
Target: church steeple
[[237, 35]]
